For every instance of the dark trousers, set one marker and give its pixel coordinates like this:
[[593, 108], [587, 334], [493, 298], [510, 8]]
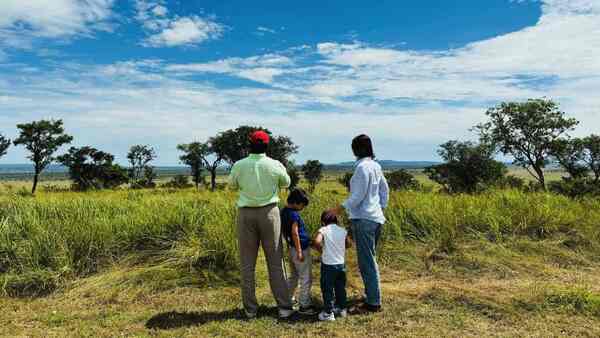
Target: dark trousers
[[333, 286]]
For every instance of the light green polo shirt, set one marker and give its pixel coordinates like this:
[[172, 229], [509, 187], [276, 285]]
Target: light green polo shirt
[[259, 179]]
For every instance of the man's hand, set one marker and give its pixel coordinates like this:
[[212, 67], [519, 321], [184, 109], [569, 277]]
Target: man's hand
[[300, 256]]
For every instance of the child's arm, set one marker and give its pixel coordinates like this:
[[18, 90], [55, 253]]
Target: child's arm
[[318, 242], [296, 239]]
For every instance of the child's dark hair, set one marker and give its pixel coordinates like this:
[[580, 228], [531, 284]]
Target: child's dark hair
[[362, 147], [328, 217], [298, 196]]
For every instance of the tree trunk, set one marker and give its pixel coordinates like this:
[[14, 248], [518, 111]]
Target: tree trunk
[[213, 179], [35, 182], [541, 178]]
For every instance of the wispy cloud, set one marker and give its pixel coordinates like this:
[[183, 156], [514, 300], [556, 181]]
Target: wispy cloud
[[22, 22], [172, 31], [261, 31]]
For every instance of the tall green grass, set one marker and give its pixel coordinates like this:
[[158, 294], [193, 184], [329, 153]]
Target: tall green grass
[[56, 237]]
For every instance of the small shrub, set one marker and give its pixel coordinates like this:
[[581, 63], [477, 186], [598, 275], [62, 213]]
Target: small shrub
[[575, 187], [511, 182], [178, 182], [402, 180]]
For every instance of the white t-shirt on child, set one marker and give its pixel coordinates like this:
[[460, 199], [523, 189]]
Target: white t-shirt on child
[[334, 244]]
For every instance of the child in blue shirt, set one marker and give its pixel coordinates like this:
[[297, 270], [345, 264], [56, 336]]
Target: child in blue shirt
[[298, 239]]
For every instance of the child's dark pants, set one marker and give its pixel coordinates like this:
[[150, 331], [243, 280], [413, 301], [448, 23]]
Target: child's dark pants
[[333, 286]]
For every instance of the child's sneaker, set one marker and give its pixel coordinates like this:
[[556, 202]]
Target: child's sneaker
[[342, 313], [307, 311], [326, 317]]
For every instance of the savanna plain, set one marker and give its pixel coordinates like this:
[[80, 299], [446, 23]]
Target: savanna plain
[[163, 263]]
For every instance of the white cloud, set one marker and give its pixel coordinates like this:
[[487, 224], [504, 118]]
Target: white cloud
[[23, 21], [261, 69], [165, 31], [261, 31]]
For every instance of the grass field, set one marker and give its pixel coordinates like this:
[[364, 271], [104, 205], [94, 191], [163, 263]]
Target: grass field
[[164, 263]]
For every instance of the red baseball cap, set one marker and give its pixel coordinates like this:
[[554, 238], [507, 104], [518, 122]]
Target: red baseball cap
[[259, 137]]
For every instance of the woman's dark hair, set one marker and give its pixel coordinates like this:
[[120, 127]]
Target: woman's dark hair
[[362, 147], [258, 148], [328, 217], [298, 196]]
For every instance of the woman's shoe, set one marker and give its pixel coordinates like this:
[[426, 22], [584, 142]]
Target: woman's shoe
[[365, 309]]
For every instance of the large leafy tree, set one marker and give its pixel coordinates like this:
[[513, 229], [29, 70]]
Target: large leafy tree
[[90, 168], [42, 139], [195, 156], [526, 131], [141, 172], [467, 167], [313, 173], [233, 145], [4, 145]]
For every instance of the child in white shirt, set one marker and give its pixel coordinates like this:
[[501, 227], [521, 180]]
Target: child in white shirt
[[332, 241]]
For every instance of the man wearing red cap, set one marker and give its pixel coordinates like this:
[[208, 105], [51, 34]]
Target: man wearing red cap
[[259, 179]]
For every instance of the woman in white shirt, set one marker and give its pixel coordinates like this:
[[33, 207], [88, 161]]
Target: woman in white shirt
[[368, 198]]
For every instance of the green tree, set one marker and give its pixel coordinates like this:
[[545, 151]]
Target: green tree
[[42, 139], [402, 180], [4, 144], [294, 174], [467, 167], [569, 154], [140, 171], [195, 156], [526, 131], [591, 155], [313, 173], [90, 168], [233, 145]]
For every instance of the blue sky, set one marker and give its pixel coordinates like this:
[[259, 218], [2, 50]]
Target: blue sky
[[413, 74]]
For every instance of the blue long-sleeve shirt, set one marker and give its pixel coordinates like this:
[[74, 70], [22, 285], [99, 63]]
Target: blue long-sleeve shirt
[[369, 192]]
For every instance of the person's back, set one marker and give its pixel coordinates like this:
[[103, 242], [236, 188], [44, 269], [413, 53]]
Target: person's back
[[259, 179], [332, 240], [334, 244]]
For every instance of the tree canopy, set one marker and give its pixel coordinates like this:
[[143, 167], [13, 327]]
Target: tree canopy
[[526, 131], [42, 139]]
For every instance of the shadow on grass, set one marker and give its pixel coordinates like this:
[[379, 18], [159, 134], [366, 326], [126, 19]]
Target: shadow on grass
[[175, 320]]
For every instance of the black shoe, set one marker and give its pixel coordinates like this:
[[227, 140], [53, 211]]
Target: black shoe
[[365, 309], [308, 311]]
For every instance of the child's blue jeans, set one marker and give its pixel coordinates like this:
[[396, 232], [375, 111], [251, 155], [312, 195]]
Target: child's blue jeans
[[333, 286]]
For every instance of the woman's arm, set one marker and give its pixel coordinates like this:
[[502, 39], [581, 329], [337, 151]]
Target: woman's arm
[[359, 185], [384, 192]]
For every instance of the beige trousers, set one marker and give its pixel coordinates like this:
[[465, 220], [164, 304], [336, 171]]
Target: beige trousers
[[262, 226]]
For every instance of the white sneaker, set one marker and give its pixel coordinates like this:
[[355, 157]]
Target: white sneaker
[[326, 317], [342, 313], [285, 313]]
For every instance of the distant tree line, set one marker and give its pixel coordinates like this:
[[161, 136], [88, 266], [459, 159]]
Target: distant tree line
[[535, 133]]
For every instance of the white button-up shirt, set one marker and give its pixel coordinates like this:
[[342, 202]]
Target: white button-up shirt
[[369, 192]]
